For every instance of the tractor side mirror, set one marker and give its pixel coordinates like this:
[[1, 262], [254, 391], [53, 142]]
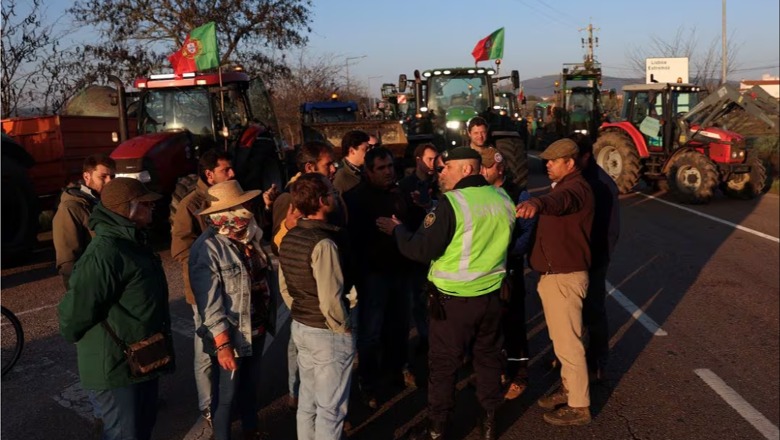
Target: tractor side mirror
[[515, 78], [402, 82]]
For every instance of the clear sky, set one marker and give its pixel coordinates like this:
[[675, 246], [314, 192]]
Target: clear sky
[[540, 35], [399, 36]]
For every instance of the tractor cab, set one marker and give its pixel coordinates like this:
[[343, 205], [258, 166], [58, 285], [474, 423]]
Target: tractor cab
[[654, 108], [181, 117]]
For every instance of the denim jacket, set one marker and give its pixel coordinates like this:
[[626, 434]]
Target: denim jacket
[[221, 286]]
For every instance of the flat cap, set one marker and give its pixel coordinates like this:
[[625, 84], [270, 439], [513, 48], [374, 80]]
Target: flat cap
[[560, 148], [490, 157], [460, 153], [124, 190]]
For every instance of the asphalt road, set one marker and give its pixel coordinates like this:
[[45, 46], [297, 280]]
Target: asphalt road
[[693, 317]]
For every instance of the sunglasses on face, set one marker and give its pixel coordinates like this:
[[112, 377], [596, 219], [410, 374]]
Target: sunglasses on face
[[438, 169]]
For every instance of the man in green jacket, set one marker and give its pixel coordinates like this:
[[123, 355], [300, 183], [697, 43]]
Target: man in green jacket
[[118, 280]]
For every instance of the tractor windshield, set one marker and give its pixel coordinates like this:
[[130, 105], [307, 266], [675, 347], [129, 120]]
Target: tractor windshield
[[464, 93], [177, 110], [683, 101]]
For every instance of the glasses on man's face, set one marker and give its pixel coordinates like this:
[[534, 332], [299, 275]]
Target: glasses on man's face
[[370, 146], [438, 169]]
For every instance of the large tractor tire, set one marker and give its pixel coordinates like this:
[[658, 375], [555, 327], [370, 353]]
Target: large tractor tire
[[692, 177], [516, 158], [616, 153], [184, 186], [20, 212], [748, 185]]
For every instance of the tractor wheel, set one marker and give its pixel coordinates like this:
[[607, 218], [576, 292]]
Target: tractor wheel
[[748, 185], [20, 212], [692, 177], [516, 157], [184, 186], [616, 154]]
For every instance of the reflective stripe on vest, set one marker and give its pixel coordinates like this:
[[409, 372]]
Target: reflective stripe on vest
[[474, 263]]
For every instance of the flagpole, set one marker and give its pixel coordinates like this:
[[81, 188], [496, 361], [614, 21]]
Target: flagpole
[[222, 108]]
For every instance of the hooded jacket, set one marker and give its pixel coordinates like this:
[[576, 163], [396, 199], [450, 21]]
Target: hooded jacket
[[121, 280], [70, 230]]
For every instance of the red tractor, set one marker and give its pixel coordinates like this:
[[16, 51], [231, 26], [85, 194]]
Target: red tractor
[[181, 118], [669, 137]]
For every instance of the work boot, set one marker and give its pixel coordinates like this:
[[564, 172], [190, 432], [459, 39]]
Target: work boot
[[488, 425], [555, 399], [206, 414], [568, 416], [432, 430]]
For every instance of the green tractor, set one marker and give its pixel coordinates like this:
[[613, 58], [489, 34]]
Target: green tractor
[[447, 98]]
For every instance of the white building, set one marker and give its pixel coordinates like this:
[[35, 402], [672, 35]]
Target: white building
[[770, 84]]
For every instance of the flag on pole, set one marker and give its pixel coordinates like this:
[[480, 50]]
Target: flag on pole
[[199, 51], [490, 47]]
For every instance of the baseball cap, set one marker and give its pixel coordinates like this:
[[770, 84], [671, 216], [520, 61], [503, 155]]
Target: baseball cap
[[560, 148], [460, 153], [491, 156]]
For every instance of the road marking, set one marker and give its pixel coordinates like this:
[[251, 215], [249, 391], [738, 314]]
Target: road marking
[[37, 309], [713, 218], [746, 410], [635, 311]]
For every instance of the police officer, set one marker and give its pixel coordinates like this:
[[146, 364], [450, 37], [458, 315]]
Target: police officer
[[465, 239]]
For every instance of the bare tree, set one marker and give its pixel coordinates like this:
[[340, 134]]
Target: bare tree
[[704, 64], [38, 74], [24, 41], [137, 36], [311, 78]]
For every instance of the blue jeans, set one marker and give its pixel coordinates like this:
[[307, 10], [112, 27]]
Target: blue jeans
[[202, 366], [293, 379], [129, 413], [383, 330], [239, 390], [325, 366]]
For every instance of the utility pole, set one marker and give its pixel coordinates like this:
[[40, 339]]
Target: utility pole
[[370, 98], [591, 43], [346, 64], [724, 60]]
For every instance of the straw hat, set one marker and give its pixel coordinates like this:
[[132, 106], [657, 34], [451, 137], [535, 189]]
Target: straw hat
[[226, 195]]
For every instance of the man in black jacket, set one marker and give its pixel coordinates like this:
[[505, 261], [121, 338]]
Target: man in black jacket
[[382, 275]]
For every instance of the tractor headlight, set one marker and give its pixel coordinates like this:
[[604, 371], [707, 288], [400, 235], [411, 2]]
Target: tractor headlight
[[582, 131], [453, 125], [143, 176]]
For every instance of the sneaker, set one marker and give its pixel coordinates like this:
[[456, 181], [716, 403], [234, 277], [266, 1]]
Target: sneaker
[[206, 414], [557, 398], [568, 416], [409, 380], [369, 400]]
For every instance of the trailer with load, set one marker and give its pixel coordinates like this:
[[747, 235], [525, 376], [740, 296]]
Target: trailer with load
[[329, 121], [40, 156]]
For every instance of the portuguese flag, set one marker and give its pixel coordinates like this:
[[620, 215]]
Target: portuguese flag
[[490, 47], [199, 51]]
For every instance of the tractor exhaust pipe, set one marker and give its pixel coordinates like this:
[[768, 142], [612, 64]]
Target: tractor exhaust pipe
[[120, 90]]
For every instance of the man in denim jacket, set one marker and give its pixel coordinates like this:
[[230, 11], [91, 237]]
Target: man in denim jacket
[[229, 276]]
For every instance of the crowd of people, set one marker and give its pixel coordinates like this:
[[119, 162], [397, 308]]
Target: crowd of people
[[364, 256]]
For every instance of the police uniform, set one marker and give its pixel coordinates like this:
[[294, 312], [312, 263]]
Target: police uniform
[[465, 239]]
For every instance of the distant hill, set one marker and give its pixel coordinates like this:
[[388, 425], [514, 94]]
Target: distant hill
[[543, 86]]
